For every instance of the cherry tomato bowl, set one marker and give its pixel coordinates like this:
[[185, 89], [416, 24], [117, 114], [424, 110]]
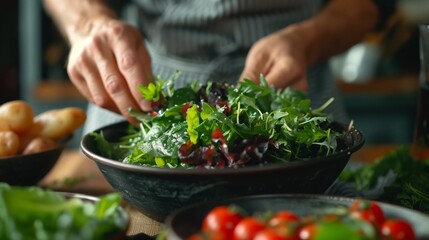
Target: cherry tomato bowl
[[157, 192], [190, 220]]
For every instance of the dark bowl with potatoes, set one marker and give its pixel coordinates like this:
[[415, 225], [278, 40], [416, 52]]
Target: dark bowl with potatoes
[[30, 144], [29, 169]]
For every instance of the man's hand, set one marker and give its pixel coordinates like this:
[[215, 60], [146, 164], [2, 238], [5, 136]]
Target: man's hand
[[108, 64], [281, 58], [284, 57]]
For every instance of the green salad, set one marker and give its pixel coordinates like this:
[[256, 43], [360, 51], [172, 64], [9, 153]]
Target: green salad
[[41, 214], [220, 125]]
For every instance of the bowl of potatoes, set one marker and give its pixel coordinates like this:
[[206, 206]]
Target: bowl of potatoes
[[30, 144]]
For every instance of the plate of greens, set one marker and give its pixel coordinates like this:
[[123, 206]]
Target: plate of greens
[[30, 212]]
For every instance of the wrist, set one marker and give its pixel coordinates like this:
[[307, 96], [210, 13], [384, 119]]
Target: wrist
[[305, 36], [87, 22]]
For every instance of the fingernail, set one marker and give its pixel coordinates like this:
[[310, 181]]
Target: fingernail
[[145, 105]]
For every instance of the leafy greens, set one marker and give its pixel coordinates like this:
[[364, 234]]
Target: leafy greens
[[222, 125], [411, 178], [41, 214]]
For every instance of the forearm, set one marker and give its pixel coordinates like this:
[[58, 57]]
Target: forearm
[[75, 18], [340, 25]]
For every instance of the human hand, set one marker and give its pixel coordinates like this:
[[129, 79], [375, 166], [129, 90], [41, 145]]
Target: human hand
[[108, 63], [281, 57]]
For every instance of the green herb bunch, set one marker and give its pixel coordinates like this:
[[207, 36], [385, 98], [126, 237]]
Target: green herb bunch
[[223, 125], [410, 187]]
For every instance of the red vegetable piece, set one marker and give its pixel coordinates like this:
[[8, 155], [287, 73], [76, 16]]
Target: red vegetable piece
[[270, 234], [283, 217], [397, 229], [368, 211], [221, 219], [217, 136], [185, 108], [247, 228]]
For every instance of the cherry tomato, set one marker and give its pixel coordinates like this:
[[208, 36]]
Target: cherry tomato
[[368, 211], [397, 229], [221, 219], [283, 217], [307, 232], [247, 228], [270, 234]]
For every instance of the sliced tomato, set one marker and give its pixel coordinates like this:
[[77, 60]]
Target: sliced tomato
[[397, 229], [221, 219]]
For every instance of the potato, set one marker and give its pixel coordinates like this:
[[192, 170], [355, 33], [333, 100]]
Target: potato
[[26, 137], [39, 144], [19, 115], [9, 143], [59, 123], [4, 125]]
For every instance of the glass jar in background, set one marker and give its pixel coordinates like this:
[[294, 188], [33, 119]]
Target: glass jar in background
[[420, 146]]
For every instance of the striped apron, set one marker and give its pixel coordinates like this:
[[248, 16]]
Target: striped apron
[[208, 40]]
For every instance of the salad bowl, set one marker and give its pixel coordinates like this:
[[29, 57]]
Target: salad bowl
[[215, 141], [157, 192]]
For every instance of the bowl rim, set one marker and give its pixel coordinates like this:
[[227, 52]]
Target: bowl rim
[[224, 171]]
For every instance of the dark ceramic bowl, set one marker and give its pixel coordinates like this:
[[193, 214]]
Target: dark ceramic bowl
[[156, 192], [26, 170], [184, 222]]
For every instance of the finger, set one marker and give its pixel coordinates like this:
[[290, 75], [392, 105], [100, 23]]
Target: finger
[[143, 57], [300, 84], [133, 61], [255, 66], [114, 85], [79, 82], [287, 74], [96, 88]]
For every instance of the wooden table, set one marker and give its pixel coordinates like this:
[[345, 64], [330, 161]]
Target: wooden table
[[76, 173]]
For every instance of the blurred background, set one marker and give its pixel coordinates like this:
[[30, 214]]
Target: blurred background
[[378, 77]]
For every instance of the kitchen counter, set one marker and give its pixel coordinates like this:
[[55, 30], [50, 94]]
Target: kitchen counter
[[76, 173]]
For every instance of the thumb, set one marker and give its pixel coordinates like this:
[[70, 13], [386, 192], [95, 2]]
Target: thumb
[[254, 67]]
